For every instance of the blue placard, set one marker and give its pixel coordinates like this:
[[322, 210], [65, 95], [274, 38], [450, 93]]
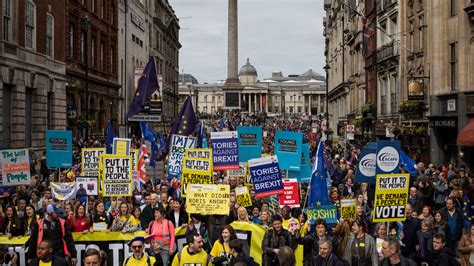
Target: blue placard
[[328, 213], [266, 176], [366, 169], [304, 175], [388, 157], [288, 147], [250, 143], [58, 148], [225, 150]]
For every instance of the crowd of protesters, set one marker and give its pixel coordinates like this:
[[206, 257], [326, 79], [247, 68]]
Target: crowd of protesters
[[438, 229]]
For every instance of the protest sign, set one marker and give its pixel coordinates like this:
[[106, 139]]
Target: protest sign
[[63, 191], [366, 170], [121, 146], [198, 153], [225, 150], [58, 148], [136, 184], [391, 197], [15, 167], [90, 161], [117, 175], [328, 213], [195, 171], [86, 186], [348, 208], [178, 145], [250, 142], [266, 176], [304, 175], [243, 196], [388, 157], [134, 153], [288, 147], [208, 199], [290, 194], [273, 204], [241, 172]]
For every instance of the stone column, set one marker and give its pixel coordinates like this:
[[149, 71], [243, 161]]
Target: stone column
[[266, 103], [310, 103], [319, 103], [232, 44], [261, 102], [255, 102], [248, 102]]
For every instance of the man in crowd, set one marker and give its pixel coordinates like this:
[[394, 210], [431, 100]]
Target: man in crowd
[[139, 256], [326, 257], [192, 254], [454, 217], [92, 257], [392, 255], [410, 226], [46, 257], [147, 214], [444, 255]]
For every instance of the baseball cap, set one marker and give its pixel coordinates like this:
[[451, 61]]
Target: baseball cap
[[50, 209], [137, 238]]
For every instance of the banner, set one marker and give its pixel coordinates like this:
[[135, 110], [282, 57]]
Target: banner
[[121, 146], [134, 153], [90, 161], [15, 167], [366, 170], [328, 213], [208, 199], [304, 175], [288, 148], [175, 158], [195, 171], [290, 194], [250, 142], [58, 148], [348, 208], [388, 157], [243, 196], [117, 175], [391, 197], [225, 150], [63, 191], [86, 186], [266, 176]]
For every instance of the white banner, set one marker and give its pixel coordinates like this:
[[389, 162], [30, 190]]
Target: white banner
[[63, 191]]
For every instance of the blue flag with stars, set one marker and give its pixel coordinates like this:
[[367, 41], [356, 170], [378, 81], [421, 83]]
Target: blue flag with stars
[[110, 138], [318, 195], [185, 123], [147, 134], [147, 85]]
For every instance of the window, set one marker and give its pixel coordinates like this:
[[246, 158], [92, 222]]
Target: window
[[421, 35], [83, 47], [394, 94], [49, 34], [49, 118], [383, 26], [71, 40], [291, 109], [452, 7], [93, 51], [102, 65], [30, 34], [111, 56], [7, 20], [383, 96], [453, 63], [133, 37], [299, 109]]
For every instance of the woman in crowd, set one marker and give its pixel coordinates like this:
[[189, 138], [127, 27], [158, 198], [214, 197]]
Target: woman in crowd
[[220, 253], [29, 219], [79, 221], [101, 216], [265, 219], [380, 234], [440, 225], [360, 248], [466, 248], [424, 248], [177, 214], [163, 241], [136, 211], [197, 226], [12, 223], [34, 199], [426, 214], [242, 215], [125, 222]]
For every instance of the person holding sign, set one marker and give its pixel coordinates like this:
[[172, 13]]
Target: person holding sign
[[101, 220], [360, 248]]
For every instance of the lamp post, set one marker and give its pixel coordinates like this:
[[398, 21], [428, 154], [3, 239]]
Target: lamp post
[[86, 24], [326, 69]]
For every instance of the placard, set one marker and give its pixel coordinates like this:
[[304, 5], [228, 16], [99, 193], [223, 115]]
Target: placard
[[241, 172], [121, 146], [304, 175], [117, 175], [135, 153], [288, 147], [250, 142], [198, 153], [243, 196], [63, 191], [366, 170], [328, 213], [208, 199], [391, 197], [175, 158], [266, 176], [225, 150], [290, 194], [58, 148], [90, 161], [15, 167], [388, 157], [195, 171], [348, 208], [86, 186]]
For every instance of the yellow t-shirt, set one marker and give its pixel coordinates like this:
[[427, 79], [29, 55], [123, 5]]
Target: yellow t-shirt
[[286, 223], [220, 250], [133, 221], [142, 261], [50, 263], [185, 259]]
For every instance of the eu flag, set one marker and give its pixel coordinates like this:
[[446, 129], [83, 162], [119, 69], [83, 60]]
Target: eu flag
[[318, 195], [185, 123], [147, 134], [110, 138], [147, 85], [408, 164]]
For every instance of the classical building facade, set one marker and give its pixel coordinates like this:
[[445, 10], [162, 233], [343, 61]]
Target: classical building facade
[[277, 96], [32, 71], [91, 42]]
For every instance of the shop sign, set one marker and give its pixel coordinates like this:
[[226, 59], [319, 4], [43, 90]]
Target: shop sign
[[443, 122]]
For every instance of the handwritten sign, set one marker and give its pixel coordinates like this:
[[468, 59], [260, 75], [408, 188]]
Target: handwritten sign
[[16, 167], [208, 199], [348, 208], [328, 213], [290, 195], [243, 196], [178, 146]]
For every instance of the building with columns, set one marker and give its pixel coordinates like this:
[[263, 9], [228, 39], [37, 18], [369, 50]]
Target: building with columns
[[277, 95]]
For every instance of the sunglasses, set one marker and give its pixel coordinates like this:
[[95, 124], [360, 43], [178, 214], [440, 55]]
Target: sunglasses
[[137, 247]]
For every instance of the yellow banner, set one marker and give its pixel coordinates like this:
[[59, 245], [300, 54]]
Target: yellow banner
[[391, 197], [348, 208], [208, 199], [243, 196]]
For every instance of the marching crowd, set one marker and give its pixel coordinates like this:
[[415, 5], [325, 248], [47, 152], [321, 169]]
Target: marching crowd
[[438, 229]]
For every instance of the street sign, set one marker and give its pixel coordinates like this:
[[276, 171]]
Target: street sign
[[350, 128], [146, 118]]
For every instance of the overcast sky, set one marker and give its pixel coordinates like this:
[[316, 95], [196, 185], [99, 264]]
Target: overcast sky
[[277, 35]]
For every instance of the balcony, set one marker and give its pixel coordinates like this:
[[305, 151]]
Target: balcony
[[387, 51]]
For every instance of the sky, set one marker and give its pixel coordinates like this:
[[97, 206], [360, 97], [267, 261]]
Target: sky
[[277, 35]]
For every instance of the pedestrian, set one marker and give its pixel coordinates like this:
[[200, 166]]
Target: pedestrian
[[46, 257], [139, 256], [392, 254], [455, 222], [360, 248], [443, 255]]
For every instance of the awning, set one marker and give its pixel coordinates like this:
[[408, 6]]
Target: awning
[[466, 136]]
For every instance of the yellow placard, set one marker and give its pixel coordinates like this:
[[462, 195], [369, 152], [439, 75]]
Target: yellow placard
[[121, 146], [134, 153], [195, 170], [208, 199], [116, 174], [391, 197], [198, 153], [348, 208], [243, 196]]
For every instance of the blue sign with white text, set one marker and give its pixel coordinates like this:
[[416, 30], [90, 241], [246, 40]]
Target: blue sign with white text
[[288, 148], [388, 157], [266, 176], [250, 143], [225, 150], [58, 148], [366, 169], [304, 175]]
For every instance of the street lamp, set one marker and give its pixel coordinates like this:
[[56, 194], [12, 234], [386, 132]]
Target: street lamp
[[86, 24]]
